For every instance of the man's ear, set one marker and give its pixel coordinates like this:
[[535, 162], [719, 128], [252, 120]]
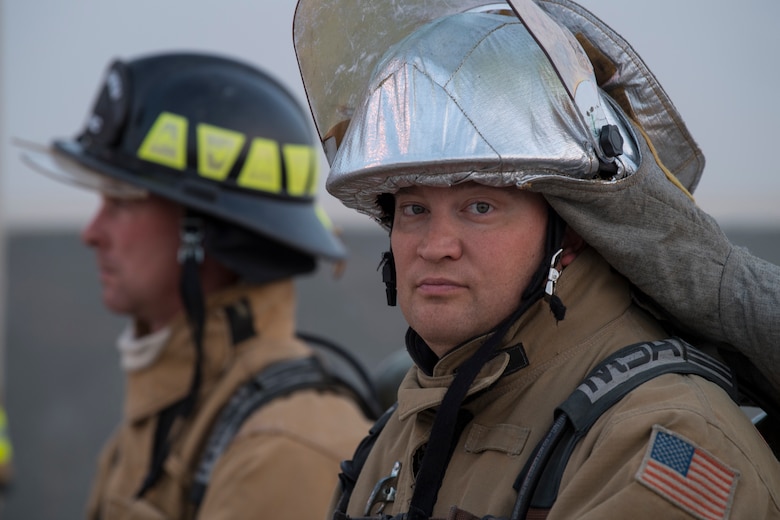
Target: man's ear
[[572, 245]]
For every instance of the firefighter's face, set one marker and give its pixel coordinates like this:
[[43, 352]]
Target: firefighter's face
[[463, 257], [136, 243]]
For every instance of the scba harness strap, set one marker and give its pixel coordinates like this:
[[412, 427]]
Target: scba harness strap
[[276, 380], [609, 382], [281, 378], [538, 483]]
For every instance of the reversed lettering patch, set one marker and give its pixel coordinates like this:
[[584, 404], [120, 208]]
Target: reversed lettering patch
[[688, 476]]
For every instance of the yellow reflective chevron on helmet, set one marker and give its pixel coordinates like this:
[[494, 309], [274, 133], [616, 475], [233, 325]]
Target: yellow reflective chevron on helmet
[[262, 169], [166, 142], [323, 217], [301, 169], [218, 149]]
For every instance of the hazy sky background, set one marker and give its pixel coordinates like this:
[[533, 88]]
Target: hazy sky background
[[717, 60]]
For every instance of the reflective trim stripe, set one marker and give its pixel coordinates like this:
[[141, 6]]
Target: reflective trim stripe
[[269, 166], [301, 169], [166, 142], [218, 150]]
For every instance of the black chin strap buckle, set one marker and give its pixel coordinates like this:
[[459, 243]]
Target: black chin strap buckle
[[552, 276], [387, 264], [192, 234], [556, 305], [190, 256]]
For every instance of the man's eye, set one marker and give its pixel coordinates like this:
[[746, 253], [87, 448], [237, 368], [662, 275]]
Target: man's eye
[[412, 209], [481, 207], [116, 202]]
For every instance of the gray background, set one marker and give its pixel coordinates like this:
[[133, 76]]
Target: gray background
[[717, 60], [63, 385]]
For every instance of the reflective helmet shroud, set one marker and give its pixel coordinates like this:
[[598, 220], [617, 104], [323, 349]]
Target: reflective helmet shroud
[[215, 135], [345, 94], [486, 107]]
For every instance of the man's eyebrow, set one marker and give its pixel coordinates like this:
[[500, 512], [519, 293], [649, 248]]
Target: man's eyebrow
[[408, 190]]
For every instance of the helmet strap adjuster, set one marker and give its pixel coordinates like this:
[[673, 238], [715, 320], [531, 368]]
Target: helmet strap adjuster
[[553, 275], [191, 240], [387, 264]]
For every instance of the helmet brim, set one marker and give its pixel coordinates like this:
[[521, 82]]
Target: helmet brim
[[296, 223], [43, 160]]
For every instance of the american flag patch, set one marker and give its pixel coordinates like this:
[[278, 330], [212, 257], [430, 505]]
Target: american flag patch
[[688, 476]]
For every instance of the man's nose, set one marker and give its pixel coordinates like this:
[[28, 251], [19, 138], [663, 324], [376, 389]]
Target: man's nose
[[442, 239], [92, 233]]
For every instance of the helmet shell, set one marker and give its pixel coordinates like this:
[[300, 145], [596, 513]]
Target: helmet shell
[[214, 135], [336, 72], [486, 106]]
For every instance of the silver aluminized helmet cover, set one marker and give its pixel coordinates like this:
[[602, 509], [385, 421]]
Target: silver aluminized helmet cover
[[486, 106], [430, 115]]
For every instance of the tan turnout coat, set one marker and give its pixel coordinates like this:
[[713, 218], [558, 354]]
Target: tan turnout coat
[[601, 480], [283, 462]]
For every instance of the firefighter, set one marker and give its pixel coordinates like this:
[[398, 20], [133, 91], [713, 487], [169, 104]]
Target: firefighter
[[543, 384], [207, 174]]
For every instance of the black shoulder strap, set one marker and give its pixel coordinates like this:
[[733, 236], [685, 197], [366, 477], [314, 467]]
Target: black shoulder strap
[[612, 379], [278, 379], [346, 370], [350, 469]]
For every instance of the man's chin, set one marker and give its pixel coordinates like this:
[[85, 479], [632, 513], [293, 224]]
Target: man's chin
[[114, 304], [441, 337]]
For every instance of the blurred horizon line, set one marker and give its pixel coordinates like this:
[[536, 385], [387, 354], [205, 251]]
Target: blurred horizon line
[[344, 218]]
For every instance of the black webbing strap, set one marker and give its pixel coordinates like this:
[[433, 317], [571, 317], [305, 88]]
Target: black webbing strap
[[350, 469], [160, 447], [281, 378], [445, 430], [612, 379], [365, 393], [190, 257], [241, 321]]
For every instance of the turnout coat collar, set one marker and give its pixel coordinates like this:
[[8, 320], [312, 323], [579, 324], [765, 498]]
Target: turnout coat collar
[[168, 379], [587, 281]]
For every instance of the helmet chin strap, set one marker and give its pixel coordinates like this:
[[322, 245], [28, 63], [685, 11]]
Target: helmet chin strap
[[387, 265], [190, 256], [556, 228]]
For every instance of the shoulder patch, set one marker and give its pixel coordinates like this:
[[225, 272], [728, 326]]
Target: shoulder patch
[[688, 476]]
